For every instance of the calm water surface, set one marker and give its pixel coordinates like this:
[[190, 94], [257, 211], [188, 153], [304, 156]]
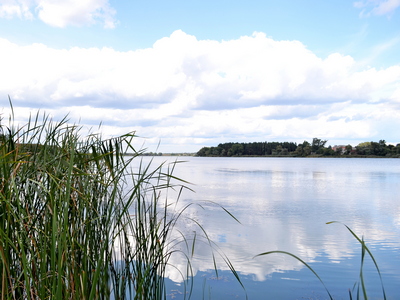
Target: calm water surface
[[284, 204]]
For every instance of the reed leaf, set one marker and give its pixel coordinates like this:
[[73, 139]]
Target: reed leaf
[[300, 260], [364, 250]]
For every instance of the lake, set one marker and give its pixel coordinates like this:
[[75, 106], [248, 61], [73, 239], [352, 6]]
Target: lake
[[284, 204]]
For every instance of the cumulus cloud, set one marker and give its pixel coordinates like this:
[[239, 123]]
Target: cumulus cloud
[[377, 7], [189, 90], [199, 75], [61, 13]]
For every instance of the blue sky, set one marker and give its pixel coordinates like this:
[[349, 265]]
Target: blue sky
[[196, 73]]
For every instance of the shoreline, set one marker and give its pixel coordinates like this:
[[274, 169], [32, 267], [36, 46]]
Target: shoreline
[[309, 156]]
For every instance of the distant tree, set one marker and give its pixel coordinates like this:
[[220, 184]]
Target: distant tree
[[397, 149], [363, 148], [268, 148], [383, 149], [364, 144], [290, 146], [284, 151], [317, 144], [303, 149], [299, 151], [339, 151], [203, 151], [215, 151], [375, 148], [278, 149], [390, 148], [328, 151], [237, 149], [348, 150], [307, 151]]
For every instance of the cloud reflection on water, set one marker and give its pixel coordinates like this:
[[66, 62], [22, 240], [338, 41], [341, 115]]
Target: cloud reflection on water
[[284, 204]]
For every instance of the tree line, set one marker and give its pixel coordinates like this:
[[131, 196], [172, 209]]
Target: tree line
[[314, 148]]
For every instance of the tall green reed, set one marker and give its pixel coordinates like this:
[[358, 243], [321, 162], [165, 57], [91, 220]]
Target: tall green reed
[[78, 222]]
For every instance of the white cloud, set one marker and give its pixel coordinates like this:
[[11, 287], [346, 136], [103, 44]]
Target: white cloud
[[377, 7], [61, 13], [76, 12], [18, 8], [188, 91]]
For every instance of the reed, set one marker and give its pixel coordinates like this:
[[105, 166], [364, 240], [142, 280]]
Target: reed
[[78, 222]]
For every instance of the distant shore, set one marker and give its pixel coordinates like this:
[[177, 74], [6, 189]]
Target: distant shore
[[268, 156], [309, 156]]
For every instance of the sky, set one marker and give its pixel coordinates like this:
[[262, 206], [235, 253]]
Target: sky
[[187, 74]]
